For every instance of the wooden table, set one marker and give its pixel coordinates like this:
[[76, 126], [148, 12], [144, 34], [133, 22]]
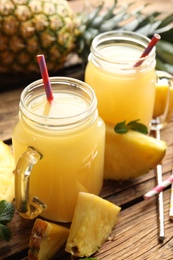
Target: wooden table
[[136, 234]]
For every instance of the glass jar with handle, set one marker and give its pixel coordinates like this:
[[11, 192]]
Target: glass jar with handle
[[123, 82], [58, 148]]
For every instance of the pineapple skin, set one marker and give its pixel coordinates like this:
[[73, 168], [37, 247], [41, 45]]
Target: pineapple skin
[[46, 239], [32, 27], [93, 221]]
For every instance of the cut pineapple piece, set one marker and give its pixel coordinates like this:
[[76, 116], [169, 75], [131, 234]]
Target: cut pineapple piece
[[131, 154], [93, 221], [7, 166], [46, 239]]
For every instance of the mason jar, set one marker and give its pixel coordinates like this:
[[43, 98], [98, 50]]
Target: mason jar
[[58, 148], [123, 82]]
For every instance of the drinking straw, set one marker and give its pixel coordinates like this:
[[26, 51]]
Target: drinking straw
[[45, 77], [150, 46], [171, 203], [160, 204], [160, 195], [159, 188]]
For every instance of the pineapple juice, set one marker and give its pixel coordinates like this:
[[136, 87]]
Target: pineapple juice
[[125, 91], [122, 95], [163, 106], [72, 153], [161, 98]]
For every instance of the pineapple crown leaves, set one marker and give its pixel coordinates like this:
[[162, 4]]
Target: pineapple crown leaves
[[6, 214], [94, 23], [118, 17]]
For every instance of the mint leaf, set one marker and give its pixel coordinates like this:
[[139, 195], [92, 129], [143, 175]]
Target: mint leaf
[[121, 128], [134, 125], [5, 233], [6, 214], [6, 211]]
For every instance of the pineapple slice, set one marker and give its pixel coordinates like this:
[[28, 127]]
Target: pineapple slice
[[46, 239], [7, 166], [131, 154], [93, 221]]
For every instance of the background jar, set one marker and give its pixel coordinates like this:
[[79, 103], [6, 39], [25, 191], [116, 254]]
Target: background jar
[[124, 91]]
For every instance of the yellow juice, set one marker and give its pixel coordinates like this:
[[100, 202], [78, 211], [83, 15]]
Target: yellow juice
[[122, 94], [170, 107], [163, 106], [161, 98], [123, 83], [73, 157]]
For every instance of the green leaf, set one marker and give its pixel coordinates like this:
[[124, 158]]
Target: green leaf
[[138, 127], [160, 65], [166, 21], [94, 13], [135, 125], [5, 233], [6, 214], [6, 211], [169, 68], [121, 128], [164, 51]]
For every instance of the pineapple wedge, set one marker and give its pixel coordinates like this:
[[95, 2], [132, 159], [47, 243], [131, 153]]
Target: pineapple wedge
[[7, 166], [131, 154], [46, 239], [93, 221]]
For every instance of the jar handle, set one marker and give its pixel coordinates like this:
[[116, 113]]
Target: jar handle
[[28, 208]]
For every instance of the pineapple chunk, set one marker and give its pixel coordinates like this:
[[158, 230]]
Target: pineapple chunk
[[131, 154], [46, 239], [7, 166], [93, 221]]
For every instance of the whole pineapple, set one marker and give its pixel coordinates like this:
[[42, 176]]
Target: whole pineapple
[[50, 27], [31, 27]]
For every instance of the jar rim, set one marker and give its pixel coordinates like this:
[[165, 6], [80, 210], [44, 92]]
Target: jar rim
[[125, 36], [75, 85]]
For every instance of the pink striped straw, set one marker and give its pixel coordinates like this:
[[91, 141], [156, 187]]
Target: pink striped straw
[[150, 46], [45, 77], [159, 188]]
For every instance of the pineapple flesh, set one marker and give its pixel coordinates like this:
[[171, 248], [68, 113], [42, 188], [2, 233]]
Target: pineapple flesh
[[93, 221], [7, 166], [46, 239], [131, 154]]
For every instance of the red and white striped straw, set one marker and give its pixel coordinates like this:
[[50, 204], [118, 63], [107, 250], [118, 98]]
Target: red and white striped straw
[[159, 188], [150, 46], [45, 77]]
